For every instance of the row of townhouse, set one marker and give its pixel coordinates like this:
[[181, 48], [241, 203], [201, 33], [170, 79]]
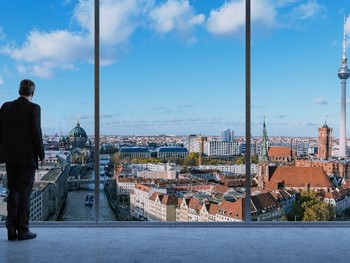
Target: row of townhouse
[[264, 207], [150, 204], [339, 198], [126, 184]]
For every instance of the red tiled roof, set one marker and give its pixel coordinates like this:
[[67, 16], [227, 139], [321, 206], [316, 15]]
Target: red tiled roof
[[346, 185], [235, 209], [169, 200], [213, 209], [220, 188], [124, 180], [280, 193], [194, 204], [279, 151], [264, 201], [142, 187], [337, 195], [293, 176], [153, 197]]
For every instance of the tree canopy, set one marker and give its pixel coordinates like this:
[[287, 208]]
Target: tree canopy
[[310, 206]]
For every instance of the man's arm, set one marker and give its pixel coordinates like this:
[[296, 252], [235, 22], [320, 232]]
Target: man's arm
[[37, 134]]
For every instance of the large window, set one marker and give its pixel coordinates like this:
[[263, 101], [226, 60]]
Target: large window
[[52, 44], [146, 119]]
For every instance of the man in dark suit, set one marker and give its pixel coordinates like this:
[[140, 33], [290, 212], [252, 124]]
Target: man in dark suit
[[21, 146]]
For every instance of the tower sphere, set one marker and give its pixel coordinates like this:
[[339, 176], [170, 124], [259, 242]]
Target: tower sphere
[[343, 72]]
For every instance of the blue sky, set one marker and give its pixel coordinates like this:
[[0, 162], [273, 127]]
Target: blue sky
[[177, 66]]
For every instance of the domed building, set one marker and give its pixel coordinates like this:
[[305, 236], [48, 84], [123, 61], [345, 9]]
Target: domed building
[[77, 138]]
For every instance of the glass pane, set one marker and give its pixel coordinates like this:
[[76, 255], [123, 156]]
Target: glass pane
[[51, 42], [171, 83], [296, 122]]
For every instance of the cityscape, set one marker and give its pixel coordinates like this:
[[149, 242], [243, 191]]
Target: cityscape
[[159, 72], [190, 178]]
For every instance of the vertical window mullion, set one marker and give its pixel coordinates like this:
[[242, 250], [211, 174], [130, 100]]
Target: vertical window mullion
[[248, 109], [97, 107]]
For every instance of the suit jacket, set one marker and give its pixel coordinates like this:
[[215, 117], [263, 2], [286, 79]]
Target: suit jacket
[[20, 133]]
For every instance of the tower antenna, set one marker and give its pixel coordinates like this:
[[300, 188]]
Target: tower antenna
[[344, 58]]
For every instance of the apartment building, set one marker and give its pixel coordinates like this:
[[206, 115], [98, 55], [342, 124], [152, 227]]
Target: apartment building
[[125, 185], [162, 207], [222, 148], [339, 198], [139, 199], [171, 152], [134, 152], [239, 169]]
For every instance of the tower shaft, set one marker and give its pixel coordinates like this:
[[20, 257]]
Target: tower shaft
[[342, 132], [343, 74]]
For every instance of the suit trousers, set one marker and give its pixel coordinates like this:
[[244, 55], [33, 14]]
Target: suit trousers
[[20, 180]]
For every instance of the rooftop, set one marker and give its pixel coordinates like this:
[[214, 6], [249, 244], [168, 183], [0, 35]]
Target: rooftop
[[51, 175]]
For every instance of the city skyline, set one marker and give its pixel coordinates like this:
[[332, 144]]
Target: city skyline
[[177, 67]]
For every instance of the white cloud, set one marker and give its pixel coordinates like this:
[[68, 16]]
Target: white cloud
[[230, 17], [176, 15], [266, 14], [2, 34], [1, 80], [227, 19], [307, 10], [320, 101], [44, 52], [118, 19], [282, 3], [59, 46]]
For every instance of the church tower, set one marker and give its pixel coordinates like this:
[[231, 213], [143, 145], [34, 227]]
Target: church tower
[[343, 74], [324, 142], [263, 162]]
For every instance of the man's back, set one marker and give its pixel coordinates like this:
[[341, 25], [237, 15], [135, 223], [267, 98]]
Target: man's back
[[21, 145], [20, 133]]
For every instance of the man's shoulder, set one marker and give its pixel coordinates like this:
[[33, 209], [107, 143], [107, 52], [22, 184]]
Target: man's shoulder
[[35, 106], [6, 104], [28, 103]]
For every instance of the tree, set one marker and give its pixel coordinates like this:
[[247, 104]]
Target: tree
[[311, 207], [191, 159], [240, 160], [255, 159]]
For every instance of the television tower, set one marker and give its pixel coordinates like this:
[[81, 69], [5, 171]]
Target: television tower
[[343, 74]]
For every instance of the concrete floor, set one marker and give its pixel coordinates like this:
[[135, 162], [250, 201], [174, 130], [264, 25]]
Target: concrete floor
[[175, 243]]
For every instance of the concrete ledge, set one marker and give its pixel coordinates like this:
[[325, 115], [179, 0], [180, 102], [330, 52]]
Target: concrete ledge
[[145, 242], [143, 224]]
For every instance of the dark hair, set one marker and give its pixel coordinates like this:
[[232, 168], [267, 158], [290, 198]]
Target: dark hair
[[26, 87]]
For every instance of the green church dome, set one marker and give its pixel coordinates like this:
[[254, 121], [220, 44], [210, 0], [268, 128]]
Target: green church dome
[[77, 131]]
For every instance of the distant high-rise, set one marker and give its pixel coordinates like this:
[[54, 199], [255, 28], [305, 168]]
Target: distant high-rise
[[227, 135], [343, 74]]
